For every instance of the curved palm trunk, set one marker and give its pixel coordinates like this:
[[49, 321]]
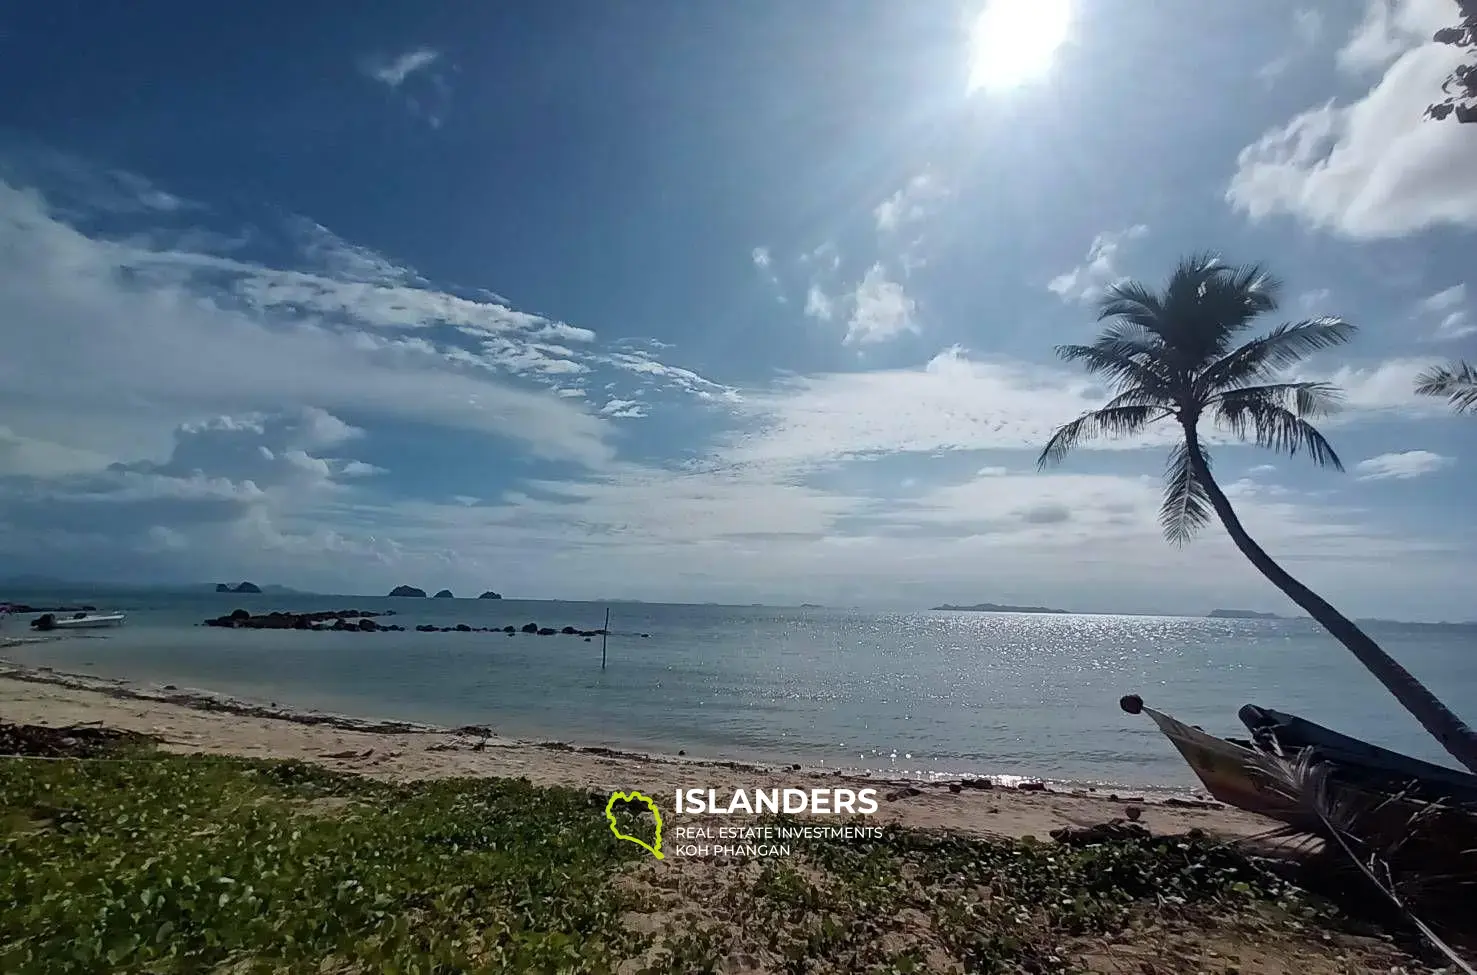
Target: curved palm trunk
[[1443, 724]]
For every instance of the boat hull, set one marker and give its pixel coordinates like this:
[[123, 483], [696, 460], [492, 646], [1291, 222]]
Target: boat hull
[[1231, 773], [51, 622]]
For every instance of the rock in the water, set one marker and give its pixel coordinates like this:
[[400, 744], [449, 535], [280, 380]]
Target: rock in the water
[[444, 594], [222, 587], [510, 630], [407, 591], [368, 625], [463, 628], [530, 627], [489, 594], [569, 631], [547, 631]]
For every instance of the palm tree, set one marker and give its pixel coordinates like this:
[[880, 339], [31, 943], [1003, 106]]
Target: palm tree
[[1169, 357], [1456, 382]]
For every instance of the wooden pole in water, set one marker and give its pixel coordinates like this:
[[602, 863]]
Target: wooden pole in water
[[604, 635]]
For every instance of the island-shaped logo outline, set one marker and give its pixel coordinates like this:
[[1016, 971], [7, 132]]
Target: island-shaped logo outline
[[655, 846]]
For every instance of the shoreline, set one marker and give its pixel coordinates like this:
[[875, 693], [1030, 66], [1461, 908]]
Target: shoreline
[[205, 699], [195, 721]]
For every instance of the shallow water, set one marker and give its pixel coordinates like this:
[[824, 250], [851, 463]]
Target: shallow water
[[905, 694]]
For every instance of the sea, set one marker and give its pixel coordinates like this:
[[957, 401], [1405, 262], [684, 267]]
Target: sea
[[922, 695]]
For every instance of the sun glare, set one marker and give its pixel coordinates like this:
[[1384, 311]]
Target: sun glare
[[1012, 41]]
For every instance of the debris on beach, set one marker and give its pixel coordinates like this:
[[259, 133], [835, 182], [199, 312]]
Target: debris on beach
[[72, 741]]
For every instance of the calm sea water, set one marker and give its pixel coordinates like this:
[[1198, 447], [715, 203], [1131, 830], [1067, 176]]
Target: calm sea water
[[919, 694]]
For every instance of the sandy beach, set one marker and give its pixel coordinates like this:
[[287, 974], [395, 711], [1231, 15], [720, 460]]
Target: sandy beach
[[189, 721]]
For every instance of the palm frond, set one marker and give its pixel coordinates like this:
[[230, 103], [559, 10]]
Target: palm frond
[[1186, 507], [1396, 852], [1115, 421], [1119, 361], [1135, 303], [1259, 411], [1456, 382], [1261, 359], [1303, 398]]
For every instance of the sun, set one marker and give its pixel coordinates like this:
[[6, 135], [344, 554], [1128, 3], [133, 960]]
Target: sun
[[1012, 41]]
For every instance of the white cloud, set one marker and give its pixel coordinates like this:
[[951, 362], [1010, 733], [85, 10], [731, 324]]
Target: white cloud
[[824, 257], [1386, 387], [881, 309], [396, 70], [1445, 300], [910, 204], [763, 262], [951, 403], [111, 343], [1086, 282], [1453, 319], [1376, 168], [1403, 465], [1392, 27], [623, 409], [1310, 301], [818, 304]]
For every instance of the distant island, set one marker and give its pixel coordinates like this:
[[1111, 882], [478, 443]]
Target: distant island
[[995, 608], [489, 594], [1242, 614], [253, 588], [408, 591], [444, 594]]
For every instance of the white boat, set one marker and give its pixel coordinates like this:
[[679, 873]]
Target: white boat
[[81, 621]]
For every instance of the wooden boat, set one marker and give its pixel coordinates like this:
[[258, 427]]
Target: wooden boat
[[1233, 773], [1390, 787], [79, 621], [1357, 762]]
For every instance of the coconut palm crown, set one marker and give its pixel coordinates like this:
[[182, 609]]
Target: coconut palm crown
[[1170, 356]]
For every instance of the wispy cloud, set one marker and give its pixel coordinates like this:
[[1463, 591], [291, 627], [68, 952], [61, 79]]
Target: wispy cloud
[[1087, 281], [1448, 309], [915, 201], [1402, 466], [394, 71], [1307, 31]]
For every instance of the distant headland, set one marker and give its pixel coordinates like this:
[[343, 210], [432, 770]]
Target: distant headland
[[1242, 614], [995, 608]]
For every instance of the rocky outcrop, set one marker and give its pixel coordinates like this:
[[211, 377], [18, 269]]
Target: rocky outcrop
[[489, 594], [249, 588], [408, 591], [363, 621], [358, 620], [445, 594]]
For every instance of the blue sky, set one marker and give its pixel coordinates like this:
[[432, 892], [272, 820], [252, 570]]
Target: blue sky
[[703, 301]]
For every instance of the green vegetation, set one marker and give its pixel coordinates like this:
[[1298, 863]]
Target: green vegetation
[[174, 864], [1180, 357], [170, 864]]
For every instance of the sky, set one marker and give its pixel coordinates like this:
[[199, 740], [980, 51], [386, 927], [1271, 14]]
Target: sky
[[695, 301]]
